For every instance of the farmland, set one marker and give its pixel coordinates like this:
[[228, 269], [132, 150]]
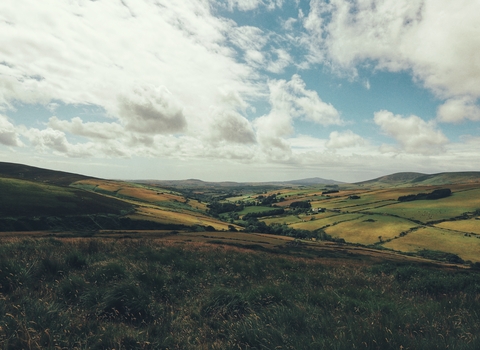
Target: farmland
[[368, 213], [95, 263]]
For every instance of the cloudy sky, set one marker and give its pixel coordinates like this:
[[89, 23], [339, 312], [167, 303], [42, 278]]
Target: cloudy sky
[[242, 90]]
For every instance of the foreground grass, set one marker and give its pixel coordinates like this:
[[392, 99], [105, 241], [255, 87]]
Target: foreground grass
[[144, 294]]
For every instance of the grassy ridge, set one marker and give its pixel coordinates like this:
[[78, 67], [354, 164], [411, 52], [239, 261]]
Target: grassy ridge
[[135, 294], [27, 198]]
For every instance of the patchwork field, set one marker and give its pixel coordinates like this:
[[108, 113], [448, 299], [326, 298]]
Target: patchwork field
[[434, 210], [368, 214]]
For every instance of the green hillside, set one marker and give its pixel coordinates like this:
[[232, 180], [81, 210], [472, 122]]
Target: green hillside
[[419, 179], [27, 198], [26, 172]]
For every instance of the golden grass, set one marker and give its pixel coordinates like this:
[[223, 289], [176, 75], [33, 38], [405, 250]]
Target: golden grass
[[172, 217], [367, 232], [319, 222], [469, 226], [431, 238]]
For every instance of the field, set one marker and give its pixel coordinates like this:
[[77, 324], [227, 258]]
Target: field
[[465, 246], [442, 209], [463, 226], [370, 229]]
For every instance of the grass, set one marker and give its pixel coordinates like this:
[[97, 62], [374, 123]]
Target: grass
[[26, 198], [255, 209], [467, 247], [142, 294], [368, 228], [470, 226], [174, 217], [314, 222], [433, 210]]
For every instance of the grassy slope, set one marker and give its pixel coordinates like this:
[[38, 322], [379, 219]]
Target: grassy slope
[[25, 172], [27, 198], [147, 294], [154, 203]]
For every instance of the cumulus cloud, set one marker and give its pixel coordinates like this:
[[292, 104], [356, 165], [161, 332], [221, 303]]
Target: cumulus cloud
[[458, 109], [344, 139], [152, 110], [437, 40], [295, 99], [414, 134], [55, 140], [8, 134], [232, 127], [91, 52], [290, 100]]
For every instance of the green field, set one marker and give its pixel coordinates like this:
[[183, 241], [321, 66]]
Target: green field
[[434, 210], [370, 229], [465, 246], [255, 209], [314, 222]]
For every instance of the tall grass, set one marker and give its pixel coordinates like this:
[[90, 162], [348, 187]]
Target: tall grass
[[142, 294]]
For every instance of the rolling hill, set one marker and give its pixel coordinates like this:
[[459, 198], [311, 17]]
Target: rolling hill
[[419, 179], [26, 172]]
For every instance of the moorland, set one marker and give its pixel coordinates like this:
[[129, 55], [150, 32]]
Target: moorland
[[94, 263]]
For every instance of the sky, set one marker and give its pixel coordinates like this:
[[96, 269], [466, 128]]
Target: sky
[[241, 90]]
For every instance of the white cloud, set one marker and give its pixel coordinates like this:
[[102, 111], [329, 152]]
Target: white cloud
[[344, 139], [8, 134], [152, 110], [55, 140], [414, 134], [295, 99], [437, 40], [248, 5], [92, 52], [94, 130], [458, 109], [232, 127], [290, 100], [279, 60]]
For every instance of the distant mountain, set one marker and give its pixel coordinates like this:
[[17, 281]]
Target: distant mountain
[[314, 181], [191, 183], [417, 179], [26, 172]]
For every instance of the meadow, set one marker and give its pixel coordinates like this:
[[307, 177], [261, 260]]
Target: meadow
[[99, 293]]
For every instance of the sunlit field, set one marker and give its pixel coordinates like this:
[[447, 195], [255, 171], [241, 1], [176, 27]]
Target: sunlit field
[[370, 229], [465, 246]]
